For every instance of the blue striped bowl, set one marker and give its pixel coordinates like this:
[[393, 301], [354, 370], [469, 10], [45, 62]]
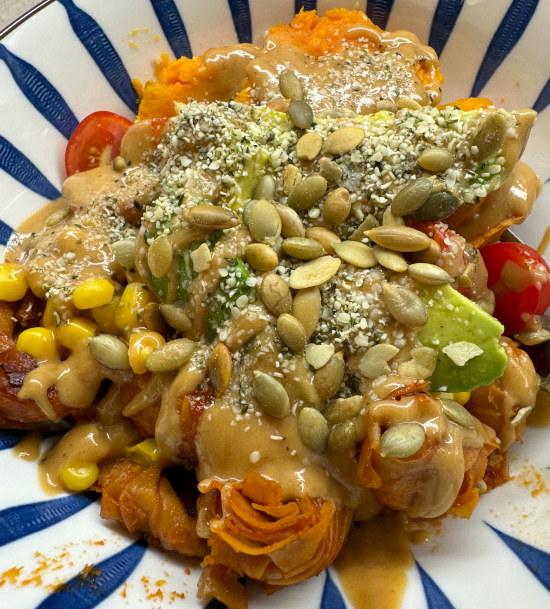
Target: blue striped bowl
[[67, 59]]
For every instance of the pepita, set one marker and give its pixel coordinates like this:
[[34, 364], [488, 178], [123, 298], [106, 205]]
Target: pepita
[[430, 274], [490, 137], [457, 413], [261, 257], [389, 259], [306, 308], [356, 253], [300, 114], [176, 317], [406, 102], [386, 105], [303, 248], [411, 197], [402, 440], [265, 188], [438, 205], [399, 238], [307, 193], [292, 332], [291, 178], [430, 255], [290, 85], [124, 253], [360, 428], [211, 216], [270, 395], [404, 306], [170, 356], [119, 164], [246, 211], [159, 256], [309, 146], [57, 217], [264, 222], [341, 437], [522, 414], [482, 487], [330, 170], [315, 272], [375, 361], [220, 367], [327, 380], [436, 159], [536, 337], [389, 219], [344, 409], [110, 351], [313, 429], [343, 140], [325, 237], [275, 295], [291, 224], [359, 233], [337, 207]]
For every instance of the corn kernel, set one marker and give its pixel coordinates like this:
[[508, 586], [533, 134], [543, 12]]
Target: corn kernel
[[57, 311], [38, 343], [142, 344], [105, 317], [76, 331], [93, 293], [145, 453], [79, 478], [13, 284], [129, 314], [462, 397]]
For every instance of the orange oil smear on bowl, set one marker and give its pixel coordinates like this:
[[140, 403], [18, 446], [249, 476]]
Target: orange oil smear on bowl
[[28, 449], [531, 479], [540, 416]]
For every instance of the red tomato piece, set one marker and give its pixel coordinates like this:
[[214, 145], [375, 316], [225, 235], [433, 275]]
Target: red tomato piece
[[520, 279], [440, 233], [96, 141]]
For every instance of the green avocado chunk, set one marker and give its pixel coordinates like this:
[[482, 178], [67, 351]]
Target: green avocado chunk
[[454, 319]]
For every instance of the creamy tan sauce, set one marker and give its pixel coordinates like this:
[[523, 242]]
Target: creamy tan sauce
[[228, 66], [372, 567], [35, 222], [540, 416], [28, 449]]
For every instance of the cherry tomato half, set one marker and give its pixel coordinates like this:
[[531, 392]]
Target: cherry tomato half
[[95, 141], [520, 279]]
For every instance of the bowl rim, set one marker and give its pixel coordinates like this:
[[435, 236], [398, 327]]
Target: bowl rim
[[26, 15]]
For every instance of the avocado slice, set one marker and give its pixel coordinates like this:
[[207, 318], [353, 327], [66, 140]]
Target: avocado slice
[[455, 319], [255, 169]]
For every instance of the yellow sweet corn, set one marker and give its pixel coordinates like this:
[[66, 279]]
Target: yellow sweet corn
[[13, 284], [462, 397], [145, 453], [93, 293], [57, 311], [142, 344], [38, 343], [105, 317], [129, 314], [75, 331], [79, 478]]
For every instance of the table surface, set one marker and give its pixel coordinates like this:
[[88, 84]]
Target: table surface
[[11, 9]]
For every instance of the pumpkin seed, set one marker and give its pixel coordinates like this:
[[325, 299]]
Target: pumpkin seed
[[306, 308], [270, 395], [171, 355], [300, 114], [389, 219], [275, 295], [457, 413], [327, 380], [343, 140], [482, 487], [344, 409], [159, 256], [110, 351], [220, 367], [309, 146], [411, 197], [313, 429], [358, 254], [421, 366], [399, 238], [360, 430], [487, 305], [341, 437], [261, 257], [315, 272], [430, 255], [337, 207], [119, 164], [430, 274], [375, 361], [302, 248], [211, 216], [359, 233], [265, 188], [337, 112], [291, 179], [307, 193], [532, 338], [246, 211], [436, 159], [318, 355], [57, 217], [490, 136], [402, 440], [522, 414], [176, 317], [292, 332], [291, 224], [404, 306], [290, 85], [386, 105], [325, 237], [264, 222], [124, 253], [390, 259], [438, 205], [406, 102], [330, 170]]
